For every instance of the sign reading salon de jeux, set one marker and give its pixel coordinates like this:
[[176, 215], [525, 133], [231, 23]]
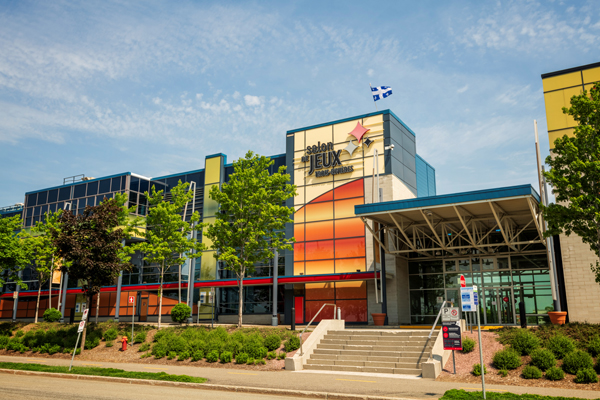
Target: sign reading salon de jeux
[[322, 156]]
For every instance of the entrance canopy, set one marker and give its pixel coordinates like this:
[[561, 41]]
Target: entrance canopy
[[483, 221]]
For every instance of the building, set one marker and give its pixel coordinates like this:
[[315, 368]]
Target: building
[[582, 293], [371, 236]]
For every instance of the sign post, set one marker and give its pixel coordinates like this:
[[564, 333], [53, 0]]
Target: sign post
[[79, 330], [452, 338], [476, 300], [132, 302]]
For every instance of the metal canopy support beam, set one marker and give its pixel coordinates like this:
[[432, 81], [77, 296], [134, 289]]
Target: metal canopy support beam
[[500, 226], [364, 220], [536, 221]]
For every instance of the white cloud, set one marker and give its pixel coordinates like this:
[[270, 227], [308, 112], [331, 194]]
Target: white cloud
[[370, 72], [252, 100], [463, 89]]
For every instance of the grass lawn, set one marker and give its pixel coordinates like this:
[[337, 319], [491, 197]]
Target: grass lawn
[[112, 372], [456, 394]]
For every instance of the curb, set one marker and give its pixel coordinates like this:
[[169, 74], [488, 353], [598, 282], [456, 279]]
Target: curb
[[206, 386]]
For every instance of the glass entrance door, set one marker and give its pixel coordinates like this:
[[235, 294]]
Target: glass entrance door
[[498, 306]]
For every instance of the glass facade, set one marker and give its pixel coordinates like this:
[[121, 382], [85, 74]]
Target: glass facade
[[503, 281]]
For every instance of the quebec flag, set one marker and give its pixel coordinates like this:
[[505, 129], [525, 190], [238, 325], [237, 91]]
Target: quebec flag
[[381, 92]]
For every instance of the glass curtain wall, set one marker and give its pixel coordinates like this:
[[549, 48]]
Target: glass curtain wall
[[503, 282]]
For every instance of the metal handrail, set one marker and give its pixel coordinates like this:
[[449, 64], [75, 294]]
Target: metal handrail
[[302, 333], [437, 318]]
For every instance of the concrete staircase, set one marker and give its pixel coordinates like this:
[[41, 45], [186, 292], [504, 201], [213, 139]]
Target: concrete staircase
[[376, 351]]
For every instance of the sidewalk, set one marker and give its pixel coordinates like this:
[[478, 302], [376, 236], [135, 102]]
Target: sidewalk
[[366, 384]]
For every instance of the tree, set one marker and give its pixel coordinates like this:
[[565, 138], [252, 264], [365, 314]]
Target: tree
[[13, 255], [168, 238], [92, 242], [41, 251], [252, 216], [575, 176]]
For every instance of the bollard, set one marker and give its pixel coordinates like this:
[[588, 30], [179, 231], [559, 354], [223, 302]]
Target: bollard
[[293, 318], [522, 314], [339, 313]]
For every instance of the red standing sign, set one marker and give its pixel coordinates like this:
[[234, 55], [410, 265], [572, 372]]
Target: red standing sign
[[131, 299], [463, 282]]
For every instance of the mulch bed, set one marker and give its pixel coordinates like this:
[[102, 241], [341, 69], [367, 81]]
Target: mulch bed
[[113, 354], [464, 366]]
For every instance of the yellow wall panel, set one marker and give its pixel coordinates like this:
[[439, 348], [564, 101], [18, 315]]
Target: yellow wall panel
[[341, 131], [312, 180], [298, 159], [210, 206], [372, 122], [370, 151], [562, 81], [555, 101], [552, 136], [299, 175], [322, 134], [299, 141], [314, 191], [369, 165], [588, 88], [591, 75], [299, 199], [358, 172], [345, 156], [212, 171]]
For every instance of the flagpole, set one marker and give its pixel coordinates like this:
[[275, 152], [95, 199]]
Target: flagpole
[[374, 101]]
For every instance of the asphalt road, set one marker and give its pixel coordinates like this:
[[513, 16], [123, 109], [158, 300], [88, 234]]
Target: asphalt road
[[318, 381], [16, 387]]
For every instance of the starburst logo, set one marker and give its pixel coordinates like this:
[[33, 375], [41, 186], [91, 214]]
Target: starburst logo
[[358, 132]]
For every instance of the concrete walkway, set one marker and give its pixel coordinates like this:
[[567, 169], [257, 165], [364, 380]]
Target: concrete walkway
[[347, 383]]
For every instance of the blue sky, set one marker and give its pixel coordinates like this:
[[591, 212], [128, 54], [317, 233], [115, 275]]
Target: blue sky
[[153, 87]]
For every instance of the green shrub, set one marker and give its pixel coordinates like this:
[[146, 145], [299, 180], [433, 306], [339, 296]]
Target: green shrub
[[110, 344], [586, 375], [524, 342], [176, 344], [181, 312], [197, 355], [507, 359], [468, 345], [532, 372], [273, 342], [233, 346], [52, 315], [477, 370], [171, 355], [576, 360], [560, 345], [503, 373], [110, 334], [92, 343], [144, 347], [261, 362], [271, 355], [226, 357], [3, 341], [250, 361], [159, 350], [543, 359], [555, 374], [161, 334], [594, 346], [213, 356], [281, 356], [215, 344], [140, 337], [19, 333], [293, 343], [241, 358], [184, 356]]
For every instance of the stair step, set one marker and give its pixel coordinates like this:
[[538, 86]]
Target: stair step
[[369, 353], [380, 370]]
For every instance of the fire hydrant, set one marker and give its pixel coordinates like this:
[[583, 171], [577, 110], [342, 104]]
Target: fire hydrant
[[124, 347]]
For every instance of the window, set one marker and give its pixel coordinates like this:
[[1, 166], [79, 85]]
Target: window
[[42, 198], [53, 196], [64, 193], [116, 184], [79, 191], [92, 188], [104, 186]]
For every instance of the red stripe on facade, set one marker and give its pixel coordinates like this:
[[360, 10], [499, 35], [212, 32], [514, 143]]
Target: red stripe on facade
[[223, 283]]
